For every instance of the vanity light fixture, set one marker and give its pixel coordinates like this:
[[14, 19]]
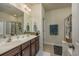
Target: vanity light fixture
[[27, 8], [15, 15]]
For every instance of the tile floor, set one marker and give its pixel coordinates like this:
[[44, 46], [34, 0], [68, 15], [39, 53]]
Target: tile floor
[[49, 49]]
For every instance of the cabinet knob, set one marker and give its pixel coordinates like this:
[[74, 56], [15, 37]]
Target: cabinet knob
[[23, 52]]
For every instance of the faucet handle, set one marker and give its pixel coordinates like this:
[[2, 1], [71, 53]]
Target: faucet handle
[[72, 46]]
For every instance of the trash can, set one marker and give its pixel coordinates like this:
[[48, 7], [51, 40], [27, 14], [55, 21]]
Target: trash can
[[58, 50]]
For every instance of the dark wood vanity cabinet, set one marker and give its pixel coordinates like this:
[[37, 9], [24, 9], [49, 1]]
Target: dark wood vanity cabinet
[[26, 49], [29, 48], [37, 44], [34, 46], [33, 50]]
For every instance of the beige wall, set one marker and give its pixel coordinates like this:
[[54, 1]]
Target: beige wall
[[55, 17], [20, 18], [27, 19], [37, 17], [75, 28]]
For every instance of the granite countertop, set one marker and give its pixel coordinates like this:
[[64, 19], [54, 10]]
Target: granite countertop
[[10, 45]]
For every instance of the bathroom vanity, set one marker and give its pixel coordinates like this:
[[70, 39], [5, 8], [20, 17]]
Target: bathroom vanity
[[17, 37], [25, 46]]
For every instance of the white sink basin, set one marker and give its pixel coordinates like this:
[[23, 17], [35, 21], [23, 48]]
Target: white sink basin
[[20, 37], [3, 41], [15, 38]]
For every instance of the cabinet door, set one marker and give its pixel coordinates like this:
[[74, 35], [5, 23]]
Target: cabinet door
[[26, 51], [37, 46], [25, 45], [33, 49]]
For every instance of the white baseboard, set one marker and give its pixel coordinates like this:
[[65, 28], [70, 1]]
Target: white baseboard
[[40, 53], [48, 43], [46, 54]]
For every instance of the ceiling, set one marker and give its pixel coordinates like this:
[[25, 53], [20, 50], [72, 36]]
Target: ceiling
[[7, 8], [30, 4], [52, 6]]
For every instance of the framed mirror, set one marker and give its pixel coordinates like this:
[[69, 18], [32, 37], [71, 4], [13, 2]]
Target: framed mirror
[[68, 29]]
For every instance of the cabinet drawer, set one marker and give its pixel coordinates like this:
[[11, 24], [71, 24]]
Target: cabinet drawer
[[12, 52], [33, 40], [26, 51], [33, 49], [37, 41], [37, 38], [25, 45], [37, 45]]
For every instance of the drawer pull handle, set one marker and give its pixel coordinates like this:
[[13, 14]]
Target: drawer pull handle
[[23, 52]]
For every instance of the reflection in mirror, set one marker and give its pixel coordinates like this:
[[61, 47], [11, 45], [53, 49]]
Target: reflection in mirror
[[1, 28], [8, 27], [28, 27], [19, 28], [13, 28], [9, 23], [35, 27]]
